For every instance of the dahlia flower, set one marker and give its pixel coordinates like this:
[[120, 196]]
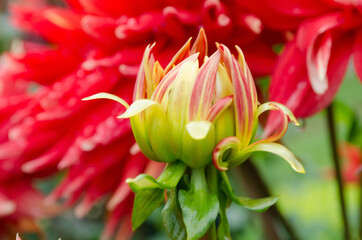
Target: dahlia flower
[[88, 47], [197, 119], [312, 65]]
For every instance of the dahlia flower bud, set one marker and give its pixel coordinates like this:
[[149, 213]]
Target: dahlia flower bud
[[199, 113]]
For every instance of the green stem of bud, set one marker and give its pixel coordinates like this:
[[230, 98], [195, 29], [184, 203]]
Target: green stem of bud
[[198, 180]]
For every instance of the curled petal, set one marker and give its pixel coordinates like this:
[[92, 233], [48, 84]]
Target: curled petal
[[137, 107], [225, 150], [283, 125], [109, 96], [279, 150]]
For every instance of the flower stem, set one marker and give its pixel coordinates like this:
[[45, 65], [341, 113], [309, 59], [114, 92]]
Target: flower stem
[[256, 187], [198, 180], [336, 162]]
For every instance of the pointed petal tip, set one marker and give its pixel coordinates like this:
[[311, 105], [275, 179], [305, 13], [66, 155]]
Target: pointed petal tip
[[103, 95]]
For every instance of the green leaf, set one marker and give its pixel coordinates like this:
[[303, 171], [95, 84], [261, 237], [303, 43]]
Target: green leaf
[[168, 179], [172, 218], [199, 210], [260, 205], [146, 201]]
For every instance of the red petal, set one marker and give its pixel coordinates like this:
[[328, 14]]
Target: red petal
[[357, 54], [290, 85]]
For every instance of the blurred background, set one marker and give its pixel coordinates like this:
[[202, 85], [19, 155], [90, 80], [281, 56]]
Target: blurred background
[[309, 202]]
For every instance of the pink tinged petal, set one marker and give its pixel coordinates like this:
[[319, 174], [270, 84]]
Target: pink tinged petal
[[279, 150], [143, 83], [249, 78], [200, 46], [357, 54], [181, 55], [283, 125], [203, 89], [219, 107], [164, 86], [224, 150], [243, 104]]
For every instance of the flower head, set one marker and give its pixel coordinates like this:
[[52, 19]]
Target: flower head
[[91, 46], [198, 113]]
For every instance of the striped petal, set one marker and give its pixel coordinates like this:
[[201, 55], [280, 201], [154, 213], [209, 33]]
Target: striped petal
[[248, 77], [243, 104], [204, 89], [164, 86], [182, 54], [286, 113], [144, 86], [219, 107]]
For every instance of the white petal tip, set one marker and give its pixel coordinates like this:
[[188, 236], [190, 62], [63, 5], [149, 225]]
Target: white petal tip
[[198, 130]]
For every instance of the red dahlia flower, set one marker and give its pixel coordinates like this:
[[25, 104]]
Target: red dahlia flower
[[311, 68], [97, 46]]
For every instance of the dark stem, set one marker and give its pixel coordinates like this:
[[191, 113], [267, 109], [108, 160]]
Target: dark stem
[[257, 188], [336, 162]]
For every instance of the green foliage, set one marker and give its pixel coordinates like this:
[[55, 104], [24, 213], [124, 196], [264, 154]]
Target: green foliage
[[146, 201]]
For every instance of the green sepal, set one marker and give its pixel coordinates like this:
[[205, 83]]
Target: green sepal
[[199, 207], [260, 204], [146, 201], [158, 133], [168, 179], [198, 142], [172, 217]]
